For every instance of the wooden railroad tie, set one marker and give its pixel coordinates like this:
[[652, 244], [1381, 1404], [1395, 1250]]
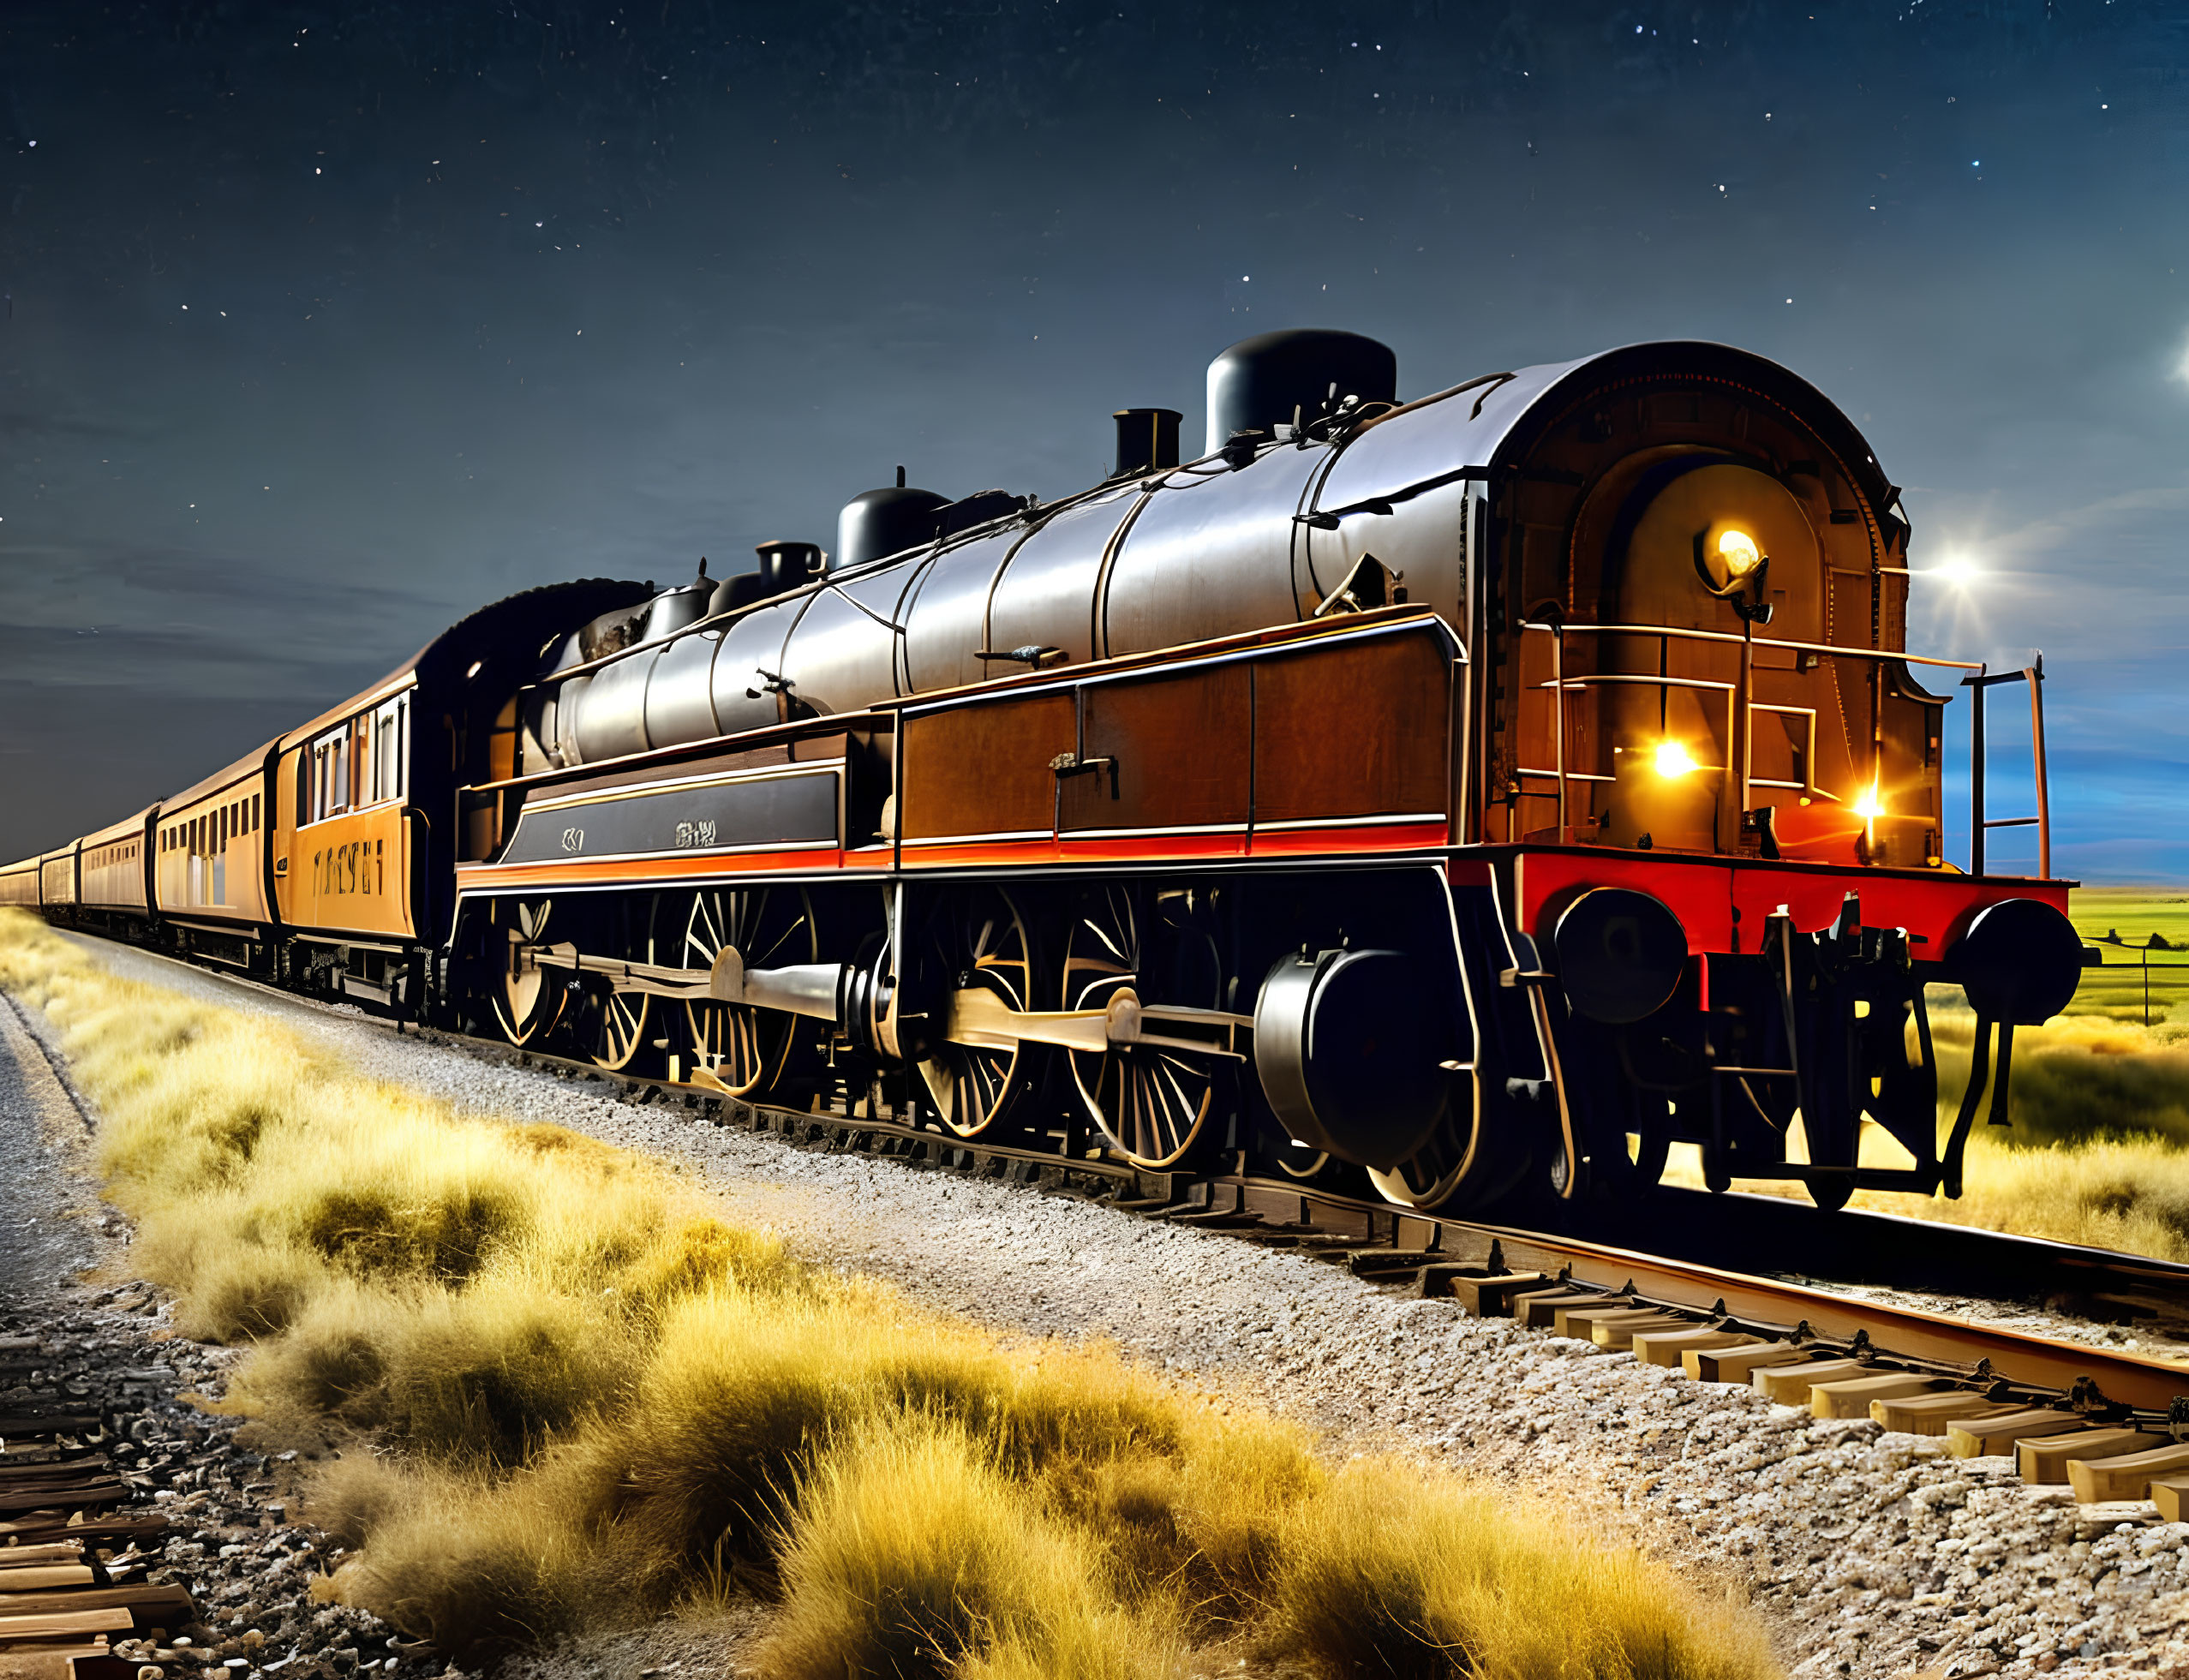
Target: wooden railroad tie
[[2126, 1475], [2046, 1458], [1790, 1383], [1739, 1363], [1979, 1438], [1934, 1414], [1853, 1397]]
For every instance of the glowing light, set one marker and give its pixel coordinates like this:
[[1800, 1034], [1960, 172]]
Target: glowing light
[[1672, 759], [1958, 570], [1738, 552], [1869, 807]]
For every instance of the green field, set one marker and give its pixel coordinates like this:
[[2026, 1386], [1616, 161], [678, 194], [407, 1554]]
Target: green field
[[2139, 981]]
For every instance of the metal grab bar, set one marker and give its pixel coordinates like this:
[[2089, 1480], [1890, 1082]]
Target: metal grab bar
[[1727, 636], [2033, 674]]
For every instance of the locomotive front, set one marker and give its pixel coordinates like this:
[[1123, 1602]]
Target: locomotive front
[[1711, 786]]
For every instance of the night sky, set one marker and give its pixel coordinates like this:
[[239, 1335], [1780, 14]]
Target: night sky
[[324, 326]]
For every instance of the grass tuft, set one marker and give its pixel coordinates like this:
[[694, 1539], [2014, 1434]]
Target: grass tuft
[[914, 1550], [572, 1396], [1442, 1580]]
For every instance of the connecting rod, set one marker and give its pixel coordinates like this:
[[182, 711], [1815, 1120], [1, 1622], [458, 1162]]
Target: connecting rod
[[971, 1015]]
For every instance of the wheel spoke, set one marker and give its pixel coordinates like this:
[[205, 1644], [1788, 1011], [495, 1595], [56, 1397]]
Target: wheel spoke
[[745, 1048], [977, 934], [1150, 1101]]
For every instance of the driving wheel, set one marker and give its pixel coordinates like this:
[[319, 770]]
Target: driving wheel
[[1153, 1101], [974, 937], [527, 1002], [742, 1048]]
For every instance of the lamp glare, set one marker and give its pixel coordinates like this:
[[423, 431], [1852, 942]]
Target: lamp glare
[[1737, 549]]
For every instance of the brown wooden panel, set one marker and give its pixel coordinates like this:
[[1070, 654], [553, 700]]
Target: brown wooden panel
[[1180, 744], [985, 769], [1357, 729]]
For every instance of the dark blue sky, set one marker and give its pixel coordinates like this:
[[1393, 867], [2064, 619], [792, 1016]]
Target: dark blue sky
[[326, 325]]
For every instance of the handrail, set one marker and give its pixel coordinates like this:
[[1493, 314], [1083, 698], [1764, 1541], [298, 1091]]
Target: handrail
[[2033, 674], [1742, 703], [1765, 642]]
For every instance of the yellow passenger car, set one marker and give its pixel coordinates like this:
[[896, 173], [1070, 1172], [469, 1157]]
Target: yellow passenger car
[[209, 864], [113, 875], [343, 842], [56, 878], [19, 883]]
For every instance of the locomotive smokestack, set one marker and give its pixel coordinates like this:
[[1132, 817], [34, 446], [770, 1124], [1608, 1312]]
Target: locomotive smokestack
[[1147, 440], [1255, 385]]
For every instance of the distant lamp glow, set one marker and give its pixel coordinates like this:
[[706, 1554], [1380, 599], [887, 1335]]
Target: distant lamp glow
[[1739, 554], [1672, 759], [1869, 807]]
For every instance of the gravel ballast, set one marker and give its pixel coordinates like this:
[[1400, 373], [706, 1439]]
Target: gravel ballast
[[1868, 1553], [107, 1349]]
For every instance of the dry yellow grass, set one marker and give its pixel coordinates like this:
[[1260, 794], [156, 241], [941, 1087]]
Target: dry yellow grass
[[1442, 1579], [584, 1400]]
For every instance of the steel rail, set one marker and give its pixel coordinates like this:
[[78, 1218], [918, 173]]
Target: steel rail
[[1287, 1212]]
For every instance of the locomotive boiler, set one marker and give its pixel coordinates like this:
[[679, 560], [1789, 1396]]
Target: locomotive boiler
[[1467, 795]]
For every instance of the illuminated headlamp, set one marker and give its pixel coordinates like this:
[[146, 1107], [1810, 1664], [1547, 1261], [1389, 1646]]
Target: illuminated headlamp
[[1727, 558]]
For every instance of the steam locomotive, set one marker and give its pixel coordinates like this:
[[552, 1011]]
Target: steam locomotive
[[1465, 797]]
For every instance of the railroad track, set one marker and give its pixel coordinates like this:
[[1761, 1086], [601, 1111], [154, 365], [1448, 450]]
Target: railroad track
[[74, 1604], [2111, 1424]]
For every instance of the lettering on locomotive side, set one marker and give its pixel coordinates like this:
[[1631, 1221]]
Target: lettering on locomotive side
[[792, 808], [360, 868]]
